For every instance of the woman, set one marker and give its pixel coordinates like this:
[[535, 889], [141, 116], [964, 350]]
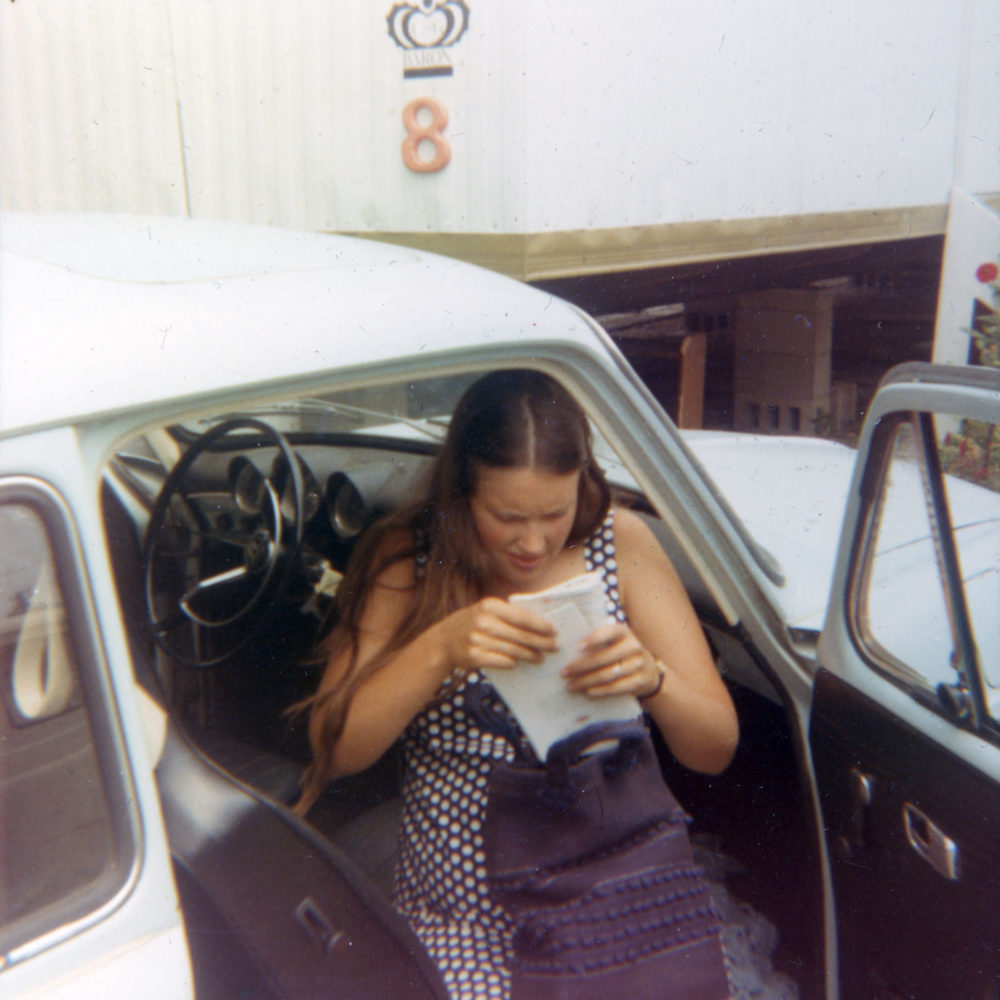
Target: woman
[[516, 504]]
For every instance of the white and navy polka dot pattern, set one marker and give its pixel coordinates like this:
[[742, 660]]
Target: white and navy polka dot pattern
[[599, 554], [441, 885]]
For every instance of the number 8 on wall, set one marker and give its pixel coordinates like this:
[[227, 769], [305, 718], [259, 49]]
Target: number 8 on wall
[[424, 137]]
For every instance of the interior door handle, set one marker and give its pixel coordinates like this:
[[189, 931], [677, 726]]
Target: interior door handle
[[317, 925], [930, 842], [859, 796]]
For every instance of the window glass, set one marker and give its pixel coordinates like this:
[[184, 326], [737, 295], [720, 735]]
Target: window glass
[[62, 840], [975, 516], [424, 405], [903, 612]]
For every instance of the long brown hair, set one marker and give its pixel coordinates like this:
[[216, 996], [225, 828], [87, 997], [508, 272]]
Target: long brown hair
[[507, 419]]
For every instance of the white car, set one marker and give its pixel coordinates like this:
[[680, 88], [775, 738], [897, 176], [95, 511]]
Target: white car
[[197, 421]]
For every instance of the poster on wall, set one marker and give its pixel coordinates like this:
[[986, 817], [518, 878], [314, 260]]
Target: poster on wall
[[969, 282]]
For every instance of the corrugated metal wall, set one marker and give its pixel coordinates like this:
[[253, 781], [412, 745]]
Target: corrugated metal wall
[[292, 114], [88, 112], [563, 116], [746, 110]]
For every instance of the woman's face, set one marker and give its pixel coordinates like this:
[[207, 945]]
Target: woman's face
[[523, 517]]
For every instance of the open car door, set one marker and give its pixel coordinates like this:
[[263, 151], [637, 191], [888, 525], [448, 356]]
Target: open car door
[[905, 725], [88, 908]]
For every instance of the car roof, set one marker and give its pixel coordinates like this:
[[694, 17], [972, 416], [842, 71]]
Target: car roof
[[102, 313]]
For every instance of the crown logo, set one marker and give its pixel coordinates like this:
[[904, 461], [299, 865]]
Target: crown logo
[[428, 24]]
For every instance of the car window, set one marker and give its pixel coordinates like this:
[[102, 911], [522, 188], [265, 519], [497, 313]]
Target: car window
[[944, 640], [903, 601], [975, 512], [424, 405], [416, 409], [65, 840]]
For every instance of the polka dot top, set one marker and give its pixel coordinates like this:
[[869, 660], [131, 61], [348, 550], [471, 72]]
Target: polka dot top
[[441, 885]]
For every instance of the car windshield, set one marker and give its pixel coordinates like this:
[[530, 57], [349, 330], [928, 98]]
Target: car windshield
[[419, 410]]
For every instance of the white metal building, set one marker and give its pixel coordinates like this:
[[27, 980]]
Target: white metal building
[[580, 135]]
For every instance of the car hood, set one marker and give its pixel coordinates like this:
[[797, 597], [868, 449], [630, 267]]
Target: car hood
[[790, 493]]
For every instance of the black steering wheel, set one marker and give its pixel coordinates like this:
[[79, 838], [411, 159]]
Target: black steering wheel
[[215, 570]]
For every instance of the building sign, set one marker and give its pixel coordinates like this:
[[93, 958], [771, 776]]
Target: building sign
[[426, 30]]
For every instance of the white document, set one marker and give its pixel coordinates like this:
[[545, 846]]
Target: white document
[[536, 693]]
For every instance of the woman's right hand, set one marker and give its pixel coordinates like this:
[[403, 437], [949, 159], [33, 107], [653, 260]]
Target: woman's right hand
[[493, 633], [488, 634]]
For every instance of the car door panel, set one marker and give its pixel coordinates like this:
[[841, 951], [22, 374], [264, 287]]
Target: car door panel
[[271, 908], [86, 893], [905, 750], [906, 927]]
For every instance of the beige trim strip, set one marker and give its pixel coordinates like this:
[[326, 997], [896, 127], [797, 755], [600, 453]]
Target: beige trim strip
[[541, 256]]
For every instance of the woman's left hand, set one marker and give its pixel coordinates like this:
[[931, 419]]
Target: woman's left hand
[[612, 661]]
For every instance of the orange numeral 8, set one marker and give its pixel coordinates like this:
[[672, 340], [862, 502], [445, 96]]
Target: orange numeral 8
[[432, 133]]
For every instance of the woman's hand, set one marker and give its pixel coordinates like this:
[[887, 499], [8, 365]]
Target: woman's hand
[[612, 661], [492, 633], [661, 656], [488, 634]]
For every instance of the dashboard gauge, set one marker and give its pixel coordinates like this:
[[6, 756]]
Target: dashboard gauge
[[346, 507], [249, 487], [282, 480], [311, 501]]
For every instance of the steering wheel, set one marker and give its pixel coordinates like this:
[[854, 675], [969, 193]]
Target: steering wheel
[[214, 571]]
